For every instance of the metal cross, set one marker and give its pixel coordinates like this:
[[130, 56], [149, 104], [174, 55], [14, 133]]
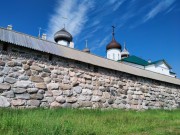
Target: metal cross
[[113, 27], [64, 21], [86, 43]]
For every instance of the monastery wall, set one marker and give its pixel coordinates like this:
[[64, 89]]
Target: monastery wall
[[30, 79]]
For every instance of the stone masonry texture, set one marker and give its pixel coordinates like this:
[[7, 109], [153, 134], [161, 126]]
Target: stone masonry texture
[[28, 79]]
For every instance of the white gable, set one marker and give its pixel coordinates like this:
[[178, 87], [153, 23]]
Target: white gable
[[162, 64]]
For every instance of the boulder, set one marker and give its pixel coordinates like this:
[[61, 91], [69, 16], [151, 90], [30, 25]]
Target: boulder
[[65, 86], [19, 90], [44, 105], [68, 93], [11, 63], [45, 74], [35, 103], [37, 68], [8, 94], [77, 89], [37, 96], [88, 77], [26, 67], [4, 102], [60, 99], [48, 94], [2, 63], [4, 87], [22, 96], [53, 86], [23, 84], [55, 104], [57, 92], [40, 85], [71, 100], [14, 74], [36, 79], [85, 104], [106, 95], [1, 79], [47, 70], [50, 99], [72, 74], [84, 98], [22, 77], [111, 101], [87, 92], [32, 90], [47, 79], [97, 93], [18, 102], [6, 70], [95, 99]]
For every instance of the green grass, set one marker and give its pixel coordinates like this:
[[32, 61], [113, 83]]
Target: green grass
[[88, 122]]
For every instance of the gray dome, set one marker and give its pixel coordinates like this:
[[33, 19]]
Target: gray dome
[[63, 35]]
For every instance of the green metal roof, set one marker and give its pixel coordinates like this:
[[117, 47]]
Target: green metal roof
[[135, 60], [139, 61], [172, 72]]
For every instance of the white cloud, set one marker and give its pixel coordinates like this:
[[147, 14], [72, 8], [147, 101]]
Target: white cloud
[[75, 11], [162, 6], [118, 4], [101, 43]]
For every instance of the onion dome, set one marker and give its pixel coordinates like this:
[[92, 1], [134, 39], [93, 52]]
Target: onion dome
[[125, 53], [113, 44], [63, 35], [87, 50]]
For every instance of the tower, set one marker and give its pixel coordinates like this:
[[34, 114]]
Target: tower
[[113, 49], [63, 37], [124, 53], [87, 50]]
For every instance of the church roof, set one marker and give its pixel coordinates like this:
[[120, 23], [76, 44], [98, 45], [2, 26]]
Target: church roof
[[63, 34], [20, 39], [136, 60], [139, 61], [113, 45]]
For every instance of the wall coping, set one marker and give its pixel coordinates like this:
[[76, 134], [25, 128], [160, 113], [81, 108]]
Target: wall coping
[[20, 39]]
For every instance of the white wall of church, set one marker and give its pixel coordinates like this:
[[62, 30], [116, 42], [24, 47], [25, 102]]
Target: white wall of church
[[159, 68], [63, 42], [114, 54]]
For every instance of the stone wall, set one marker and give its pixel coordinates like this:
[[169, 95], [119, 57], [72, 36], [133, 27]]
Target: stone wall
[[31, 79]]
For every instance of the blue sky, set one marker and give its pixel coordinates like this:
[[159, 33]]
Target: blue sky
[[150, 28]]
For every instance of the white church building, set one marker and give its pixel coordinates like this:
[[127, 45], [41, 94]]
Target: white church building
[[115, 52]]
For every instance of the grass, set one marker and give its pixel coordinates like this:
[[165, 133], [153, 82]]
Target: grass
[[88, 122]]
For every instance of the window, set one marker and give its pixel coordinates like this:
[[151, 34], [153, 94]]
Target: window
[[113, 56], [5, 47], [50, 57], [95, 69], [89, 66], [118, 57]]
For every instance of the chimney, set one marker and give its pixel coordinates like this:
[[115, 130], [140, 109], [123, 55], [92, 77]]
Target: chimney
[[9, 27], [71, 45], [44, 36]]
